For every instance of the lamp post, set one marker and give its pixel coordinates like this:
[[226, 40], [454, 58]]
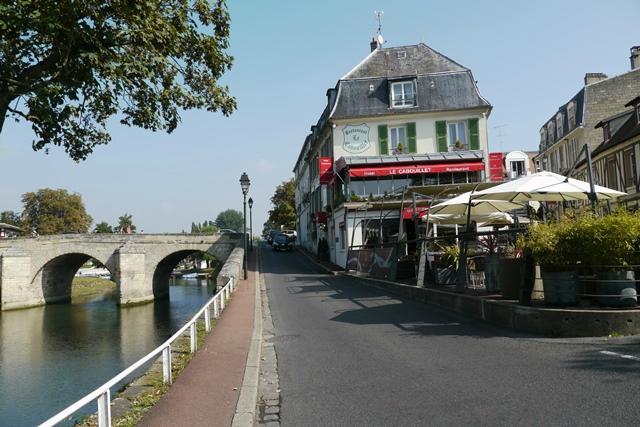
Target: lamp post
[[244, 184], [251, 223]]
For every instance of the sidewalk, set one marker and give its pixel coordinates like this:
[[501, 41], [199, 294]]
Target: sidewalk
[[207, 390]]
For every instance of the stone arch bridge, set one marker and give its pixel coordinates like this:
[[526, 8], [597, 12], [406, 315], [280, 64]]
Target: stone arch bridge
[[40, 270]]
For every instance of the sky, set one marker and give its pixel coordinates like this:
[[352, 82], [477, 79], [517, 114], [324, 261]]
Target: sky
[[528, 58]]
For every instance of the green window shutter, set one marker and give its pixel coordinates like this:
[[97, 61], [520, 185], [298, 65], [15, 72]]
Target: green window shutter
[[474, 135], [383, 140], [411, 137], [441, 136]]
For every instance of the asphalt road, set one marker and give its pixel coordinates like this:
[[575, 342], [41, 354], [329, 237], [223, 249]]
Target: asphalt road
[[349, 355]]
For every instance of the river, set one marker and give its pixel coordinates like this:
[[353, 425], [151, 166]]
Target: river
[[50, 356]]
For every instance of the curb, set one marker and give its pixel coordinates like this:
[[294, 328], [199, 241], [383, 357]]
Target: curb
[[246, 406]]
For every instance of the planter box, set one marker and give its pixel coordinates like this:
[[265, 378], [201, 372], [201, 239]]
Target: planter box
[[560, 288], [510, 276]]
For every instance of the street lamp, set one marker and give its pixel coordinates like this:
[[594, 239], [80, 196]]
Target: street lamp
[[244, 184], [251, 223]]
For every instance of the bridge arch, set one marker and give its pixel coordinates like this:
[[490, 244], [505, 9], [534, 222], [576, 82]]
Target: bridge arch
[[163, 269], [56, 275]]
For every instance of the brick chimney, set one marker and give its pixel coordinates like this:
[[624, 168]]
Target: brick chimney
[[635, 57], [374, 44], [591, 78]]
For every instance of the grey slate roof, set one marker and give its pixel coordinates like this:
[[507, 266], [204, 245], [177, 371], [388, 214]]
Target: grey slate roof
[[417, 59], [442, 84], [578, 98]]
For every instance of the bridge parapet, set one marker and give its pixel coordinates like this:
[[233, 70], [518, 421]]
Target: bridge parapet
[[34, 271]]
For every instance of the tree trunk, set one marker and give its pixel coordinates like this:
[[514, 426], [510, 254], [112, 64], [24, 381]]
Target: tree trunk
[[4, 105]]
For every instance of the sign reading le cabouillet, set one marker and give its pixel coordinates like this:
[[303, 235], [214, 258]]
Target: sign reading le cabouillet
[[356, 138]]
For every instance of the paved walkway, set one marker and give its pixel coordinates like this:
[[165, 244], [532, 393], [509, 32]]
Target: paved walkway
[[207, 390]]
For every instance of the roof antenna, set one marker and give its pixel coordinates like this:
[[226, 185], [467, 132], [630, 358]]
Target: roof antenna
[[379, 14]]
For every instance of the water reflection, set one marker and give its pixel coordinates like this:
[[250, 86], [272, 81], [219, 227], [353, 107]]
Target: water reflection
[[52, 355]]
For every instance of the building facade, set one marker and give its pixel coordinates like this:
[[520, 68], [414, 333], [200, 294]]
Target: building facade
[[403, 117], [574, 123]]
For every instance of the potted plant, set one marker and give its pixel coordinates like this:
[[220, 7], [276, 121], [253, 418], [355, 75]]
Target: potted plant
[[510, 270], [448, 265], [611, 247], [554, 245]]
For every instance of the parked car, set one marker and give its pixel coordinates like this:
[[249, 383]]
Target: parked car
[[282, 243], [291, 234], [271, 236]]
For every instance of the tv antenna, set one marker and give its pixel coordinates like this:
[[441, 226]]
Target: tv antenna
[[379, 14]]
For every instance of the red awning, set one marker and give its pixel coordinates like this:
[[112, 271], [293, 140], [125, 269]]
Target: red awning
[[365, 171]]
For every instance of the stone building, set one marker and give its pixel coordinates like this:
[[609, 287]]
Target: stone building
[[403, 117], [574, 123]]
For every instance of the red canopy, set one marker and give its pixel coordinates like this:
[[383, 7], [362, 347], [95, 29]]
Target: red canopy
[[407, 213], [365, 171]]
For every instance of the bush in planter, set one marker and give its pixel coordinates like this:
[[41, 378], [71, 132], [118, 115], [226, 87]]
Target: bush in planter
[[445, 272], [610, 246], [555, 247]]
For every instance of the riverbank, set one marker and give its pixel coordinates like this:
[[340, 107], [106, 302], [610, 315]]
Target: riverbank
[[84, 289]]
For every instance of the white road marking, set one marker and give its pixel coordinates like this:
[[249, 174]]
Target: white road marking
[[623, 356]]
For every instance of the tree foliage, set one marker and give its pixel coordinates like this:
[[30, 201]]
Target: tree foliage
[[11, 217], [283, 213], [67, 66], [55, 212], [103, 228], [206, 227], [231, 220], [125, 223]]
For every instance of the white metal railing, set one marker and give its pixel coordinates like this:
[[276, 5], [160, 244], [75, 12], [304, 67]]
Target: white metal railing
[[102, 395]]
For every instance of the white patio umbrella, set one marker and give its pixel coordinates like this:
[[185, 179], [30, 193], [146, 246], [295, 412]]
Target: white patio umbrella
[[459, 205], [494, 218], [545, 187]]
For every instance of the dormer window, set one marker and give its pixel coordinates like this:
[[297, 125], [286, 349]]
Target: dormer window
[[402, 94], [571, 112], [543, 137], [559, 125], [638, 113], [551, 132], [606, 131]]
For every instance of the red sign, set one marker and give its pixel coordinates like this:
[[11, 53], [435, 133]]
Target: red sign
[[357, 171], [321, 217], [407, 213], [325, 166], [496, 167]]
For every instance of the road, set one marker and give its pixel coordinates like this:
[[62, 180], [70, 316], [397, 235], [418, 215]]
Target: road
[[349, 354]]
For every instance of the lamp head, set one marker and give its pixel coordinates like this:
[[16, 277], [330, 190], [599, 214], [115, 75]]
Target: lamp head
[[244, 183], [250, 202]]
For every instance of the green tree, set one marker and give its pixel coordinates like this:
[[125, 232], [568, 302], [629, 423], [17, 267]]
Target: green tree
[[103, 228], [11, 217], [55, 212], [230, 219], [125, 223], [207, 227], [68, 66], [284, 210]]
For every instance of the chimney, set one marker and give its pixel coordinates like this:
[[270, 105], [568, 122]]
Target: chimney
[[374, 44], [591, 78], [635, 57]]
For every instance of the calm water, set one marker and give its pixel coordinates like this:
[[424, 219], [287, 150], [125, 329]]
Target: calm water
[[50, 356]]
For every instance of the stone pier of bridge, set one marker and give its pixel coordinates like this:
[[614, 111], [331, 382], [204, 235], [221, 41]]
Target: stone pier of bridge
[[37, 271]]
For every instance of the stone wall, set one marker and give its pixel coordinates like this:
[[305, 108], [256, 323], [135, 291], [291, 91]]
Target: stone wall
[[232, 268]]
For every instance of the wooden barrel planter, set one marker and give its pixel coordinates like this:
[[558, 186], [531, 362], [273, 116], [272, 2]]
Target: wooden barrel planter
[[616, 289], [560, 288]]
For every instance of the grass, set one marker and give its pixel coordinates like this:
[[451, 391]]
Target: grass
[[84, 288]]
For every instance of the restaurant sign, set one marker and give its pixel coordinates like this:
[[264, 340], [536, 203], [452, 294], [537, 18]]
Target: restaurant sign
[[356, 138]]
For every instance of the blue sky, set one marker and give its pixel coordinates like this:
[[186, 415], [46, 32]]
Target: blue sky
[[528, 58]]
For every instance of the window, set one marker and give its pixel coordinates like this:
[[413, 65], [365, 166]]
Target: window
[[402, 94], [543, 138], [606, 131], [571, 112], [551, 132], [561, 157], [559, 125], [612, 182], [398, 140], [517, 168], [457, 135], [629, 160]]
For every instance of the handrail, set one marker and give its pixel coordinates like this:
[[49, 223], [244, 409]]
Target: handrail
[[103, 393]]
